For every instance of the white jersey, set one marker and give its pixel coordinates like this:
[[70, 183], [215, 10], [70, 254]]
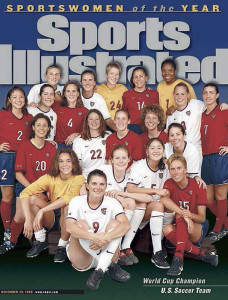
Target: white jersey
[[97, 218], [98, 102], [143, 176], [35, 90], [190, 118], [91, 153], [52, 116], [192, 156], [112, 183]]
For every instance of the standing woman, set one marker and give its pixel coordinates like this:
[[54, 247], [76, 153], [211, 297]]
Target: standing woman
[[90, 146], [214, 135], [62, 183], [71, 115], [32, 161], [153, 121], [47, 98], [138, 97], [14, 129]]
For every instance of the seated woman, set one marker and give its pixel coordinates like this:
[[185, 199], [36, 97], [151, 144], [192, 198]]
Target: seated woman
[[189, 202], [153, 121], [62, 183], [90, 146], [96, 224], [33, 160]]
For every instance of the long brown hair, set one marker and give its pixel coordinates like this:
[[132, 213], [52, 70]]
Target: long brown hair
[[10, 92], [79, 102], [86, 131], [54, 169]]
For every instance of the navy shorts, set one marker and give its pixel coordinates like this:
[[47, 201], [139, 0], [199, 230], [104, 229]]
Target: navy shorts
[[215, 169], [205, 227], [7, 165], [18, 189]]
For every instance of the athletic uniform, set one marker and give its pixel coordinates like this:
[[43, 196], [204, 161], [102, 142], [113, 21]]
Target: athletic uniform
[[112, 184], [70, 120], [132, 141], [166, 93], [134, 101], [35, 90], [214, 134], [145, 139], [192, 156], [190, 119], [96, 102], [91, 153], [13, 131], [50, 114], [112, 97]]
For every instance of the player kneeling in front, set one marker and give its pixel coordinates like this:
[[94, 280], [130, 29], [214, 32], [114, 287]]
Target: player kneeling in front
[[96, 224], [188, 201]]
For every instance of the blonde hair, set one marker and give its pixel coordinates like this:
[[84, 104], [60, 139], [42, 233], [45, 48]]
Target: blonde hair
[[178, 157]]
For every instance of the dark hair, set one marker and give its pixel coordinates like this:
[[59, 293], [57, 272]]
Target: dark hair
[[215, 86], [79, 102], [52, 67], [161, 164], [89, 72], [143, 69], [183, 85], [85, 135], [10, 92], [96, 172], [177, 125], [119, 147], [124, 111], [54, 169], [35, 118], [155, 109], [45, 86], [169, 61]]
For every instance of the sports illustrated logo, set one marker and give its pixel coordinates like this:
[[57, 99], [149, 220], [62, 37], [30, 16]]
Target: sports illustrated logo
[[79, 113], [213, 116], [103, 210], [147, 95], [190, 192], [103, 142], [47, 154], [188, 113], [26, 123], [126, 143], [160, 175], [92, 104]]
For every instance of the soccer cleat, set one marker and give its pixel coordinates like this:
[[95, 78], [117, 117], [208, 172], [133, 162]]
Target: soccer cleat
[[60, 254], [124, 260], [37, 247], [95, 279], [159, 260], [176, 267], [129, 253], [213, 236], [7, 234], [6, 246], [115, 272], [210, 258], [223, 232], [164, 250]]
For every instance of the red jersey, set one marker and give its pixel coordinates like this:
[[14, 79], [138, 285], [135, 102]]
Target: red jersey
[[214, 130], [134, 101], [189, 198], [34, 162], [145, 139], [13, 130], [132, 141], [69, 120]]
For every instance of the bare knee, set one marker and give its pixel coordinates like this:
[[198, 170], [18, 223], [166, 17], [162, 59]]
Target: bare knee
[[130, 204], [167, 229], [155, 206], [140, 204]]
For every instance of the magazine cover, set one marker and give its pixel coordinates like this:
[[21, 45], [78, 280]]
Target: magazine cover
[[77, 35]]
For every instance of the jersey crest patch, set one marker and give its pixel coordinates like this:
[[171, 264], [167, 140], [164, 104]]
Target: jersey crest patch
[[104, 210], [126, 143], [103, 142], [147, 95], [160, 175], [79, 113], [190, 192], [26, 123], [51, 117], [188, 112], [92, 104], [213, 116], [47, 154]]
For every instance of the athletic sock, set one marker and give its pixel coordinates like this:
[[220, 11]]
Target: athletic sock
[[181, 237], [220, 215], [63, 243], [213, 208], [156, 222], [136, 220], [40, 235], [16, 229], [129, 213], [6, 213]]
